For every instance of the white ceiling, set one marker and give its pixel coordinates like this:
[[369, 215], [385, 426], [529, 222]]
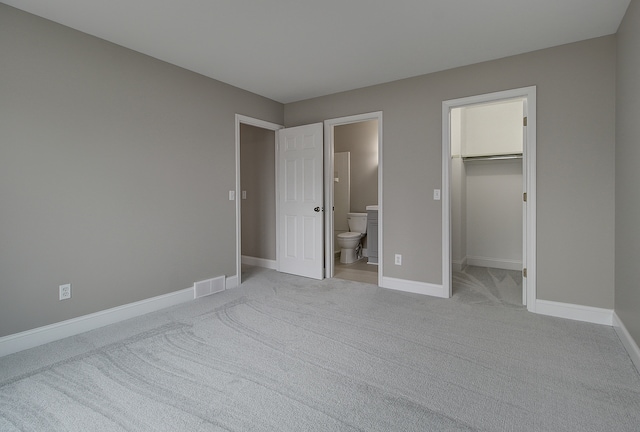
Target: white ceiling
[[290, 50]]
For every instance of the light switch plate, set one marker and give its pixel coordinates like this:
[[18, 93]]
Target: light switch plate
[[232, 195]]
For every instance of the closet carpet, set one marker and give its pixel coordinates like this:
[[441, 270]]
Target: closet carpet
[[489, 286], [284, 353]]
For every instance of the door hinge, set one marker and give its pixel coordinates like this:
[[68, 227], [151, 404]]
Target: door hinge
[[524, 272], [524, 121], [524, 197]]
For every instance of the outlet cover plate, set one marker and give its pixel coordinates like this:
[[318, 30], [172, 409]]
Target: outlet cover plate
[[65, 291]]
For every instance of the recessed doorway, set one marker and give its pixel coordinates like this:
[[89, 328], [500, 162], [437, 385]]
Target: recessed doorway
[[353, 190], [489, 191], [255, 194]]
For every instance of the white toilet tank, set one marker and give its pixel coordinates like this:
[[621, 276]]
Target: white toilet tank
[[357, 222]]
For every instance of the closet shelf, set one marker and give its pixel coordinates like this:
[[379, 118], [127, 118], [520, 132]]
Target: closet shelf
[[492, 157]]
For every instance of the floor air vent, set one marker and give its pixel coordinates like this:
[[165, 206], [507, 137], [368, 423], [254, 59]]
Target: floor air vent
[[208, 287]]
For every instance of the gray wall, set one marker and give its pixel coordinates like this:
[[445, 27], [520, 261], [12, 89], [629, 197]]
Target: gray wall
[[114, 173], [258, 179], [576, 132], [486, 196], [115, 169], [361, 140], [627, 290], [494, 213]]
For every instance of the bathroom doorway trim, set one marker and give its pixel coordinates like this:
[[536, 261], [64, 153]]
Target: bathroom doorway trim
[[529, 180], [329, 126]]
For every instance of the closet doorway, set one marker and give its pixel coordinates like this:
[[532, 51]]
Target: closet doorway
[[489, 196]]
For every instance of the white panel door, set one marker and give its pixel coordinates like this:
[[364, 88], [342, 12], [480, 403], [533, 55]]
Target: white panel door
[[300, 204]]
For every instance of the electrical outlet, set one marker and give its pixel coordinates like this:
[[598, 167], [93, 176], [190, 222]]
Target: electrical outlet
[[436, 194], [398, 259], [65, 291]]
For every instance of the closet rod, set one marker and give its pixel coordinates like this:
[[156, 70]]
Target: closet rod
[[492, 157]]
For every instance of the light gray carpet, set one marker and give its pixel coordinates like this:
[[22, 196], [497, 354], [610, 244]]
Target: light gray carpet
[[489, 286], [283, 353]]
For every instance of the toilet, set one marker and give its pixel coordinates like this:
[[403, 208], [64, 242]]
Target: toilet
[[349, 242]]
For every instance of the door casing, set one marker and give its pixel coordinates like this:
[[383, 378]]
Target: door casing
[[529, 180]]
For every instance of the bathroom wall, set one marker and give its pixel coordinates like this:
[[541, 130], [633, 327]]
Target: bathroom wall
[[341, 190], [361, 140], [258, 180]]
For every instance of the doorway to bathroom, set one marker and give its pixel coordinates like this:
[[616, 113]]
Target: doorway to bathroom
[[489, 196], [353, 192], [265, 132]]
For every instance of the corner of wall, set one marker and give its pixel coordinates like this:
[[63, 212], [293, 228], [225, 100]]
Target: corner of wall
[[628, 342]]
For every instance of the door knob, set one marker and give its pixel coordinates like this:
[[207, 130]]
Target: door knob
[[317, 209]]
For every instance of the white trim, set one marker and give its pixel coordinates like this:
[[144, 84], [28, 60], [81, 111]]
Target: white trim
[[498, 263], [231, 282], [259, 262], [42, 335], [413, 287], [530, 155], [575, 312], [329, 126], [529, 94], [242, 119], [459, 265], [630, 345], [447, 268]]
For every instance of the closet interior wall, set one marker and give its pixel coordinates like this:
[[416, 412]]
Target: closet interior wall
[[486, 187]]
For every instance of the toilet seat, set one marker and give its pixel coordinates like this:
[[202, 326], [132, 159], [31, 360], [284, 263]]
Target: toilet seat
[[349, 235]]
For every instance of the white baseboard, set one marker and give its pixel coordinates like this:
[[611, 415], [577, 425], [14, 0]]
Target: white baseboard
[[42, 335], [259, 262], [575, 312], [459, 265], [231, 282], [413, 287], [504, 264], [630, 345]]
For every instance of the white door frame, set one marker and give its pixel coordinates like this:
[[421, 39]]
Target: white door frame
[[241, 119], [529, 180], [329, 126]]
